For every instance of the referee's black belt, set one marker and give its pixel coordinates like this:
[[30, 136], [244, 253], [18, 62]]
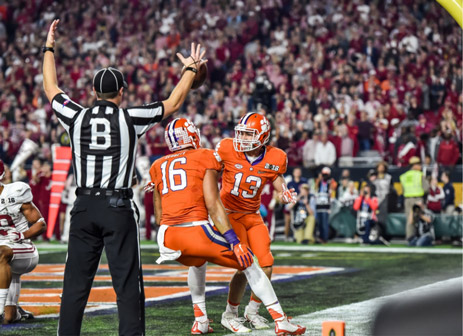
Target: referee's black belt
[[125, 193]]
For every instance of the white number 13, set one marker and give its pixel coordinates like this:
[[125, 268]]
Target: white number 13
[[253, 187]]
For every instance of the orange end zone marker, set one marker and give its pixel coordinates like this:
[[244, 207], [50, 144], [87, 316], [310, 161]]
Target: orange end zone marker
[[333, 328]]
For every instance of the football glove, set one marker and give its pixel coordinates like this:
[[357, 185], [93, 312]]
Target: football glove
[[244, 255], [14, 236], [288, 195], [242, 252]]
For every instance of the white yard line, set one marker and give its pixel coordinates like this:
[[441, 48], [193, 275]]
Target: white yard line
[[358, 316], [311, 248], [428, 250]]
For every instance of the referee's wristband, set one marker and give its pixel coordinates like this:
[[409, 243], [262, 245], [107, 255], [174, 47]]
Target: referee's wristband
[[191, 69], [45, 49]]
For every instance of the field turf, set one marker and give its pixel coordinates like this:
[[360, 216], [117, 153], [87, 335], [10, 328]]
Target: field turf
[[365, 275]]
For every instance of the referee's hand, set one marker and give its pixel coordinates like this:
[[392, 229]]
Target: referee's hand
[[195, 58], [51, 34]]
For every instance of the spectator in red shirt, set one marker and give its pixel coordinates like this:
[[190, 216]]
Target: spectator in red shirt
[[406, 150], [435, 196], [366, 205], [423, 126], [448, 151]]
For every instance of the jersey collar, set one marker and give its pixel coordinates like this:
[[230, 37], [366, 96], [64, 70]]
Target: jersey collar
[[259, 158], [106, 103]]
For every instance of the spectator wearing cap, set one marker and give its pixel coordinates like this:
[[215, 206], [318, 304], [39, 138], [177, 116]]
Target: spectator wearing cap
[[449, 200], [414, 185], [422, 223], [303, 215], [366, 205], [346, 192], [296, 181], [325, 187]]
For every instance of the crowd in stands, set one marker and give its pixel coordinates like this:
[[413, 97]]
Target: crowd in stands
[[335, 78], [369, 201]]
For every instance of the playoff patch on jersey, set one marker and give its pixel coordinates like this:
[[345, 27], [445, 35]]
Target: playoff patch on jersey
[[272, 167], [14, 195]]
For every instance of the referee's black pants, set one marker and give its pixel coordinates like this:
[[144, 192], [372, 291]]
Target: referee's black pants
[[98, 222]]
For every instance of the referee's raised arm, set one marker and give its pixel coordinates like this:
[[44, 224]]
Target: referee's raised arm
[[104, 139], [50, 82], [178, 95]]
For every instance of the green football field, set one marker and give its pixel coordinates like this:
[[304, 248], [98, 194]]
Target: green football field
[[314, 284]]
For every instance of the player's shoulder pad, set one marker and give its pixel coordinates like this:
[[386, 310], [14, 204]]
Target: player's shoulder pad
[[21, 192], [224, 145], [207, 159], [208, 154], [277, 155]]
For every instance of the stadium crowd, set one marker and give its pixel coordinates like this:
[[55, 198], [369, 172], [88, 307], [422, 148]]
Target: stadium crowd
[[335, 78]]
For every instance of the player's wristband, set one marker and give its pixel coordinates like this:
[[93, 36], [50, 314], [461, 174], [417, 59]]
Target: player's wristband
[[231, 238], [45, 49], [191, 69]]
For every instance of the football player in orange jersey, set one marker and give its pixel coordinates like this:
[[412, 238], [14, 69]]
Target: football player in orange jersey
[[185, 193], [248, 163]]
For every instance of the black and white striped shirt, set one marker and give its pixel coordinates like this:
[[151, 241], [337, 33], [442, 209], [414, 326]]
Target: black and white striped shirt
[[104, 139]]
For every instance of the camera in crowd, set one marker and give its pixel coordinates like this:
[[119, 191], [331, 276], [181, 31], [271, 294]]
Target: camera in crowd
[[417, 211], [263, 91]]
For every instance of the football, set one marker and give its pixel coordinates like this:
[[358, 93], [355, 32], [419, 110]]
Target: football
[[200, 76]]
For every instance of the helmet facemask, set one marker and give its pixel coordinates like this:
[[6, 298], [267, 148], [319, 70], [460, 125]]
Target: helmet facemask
[[247, 139]]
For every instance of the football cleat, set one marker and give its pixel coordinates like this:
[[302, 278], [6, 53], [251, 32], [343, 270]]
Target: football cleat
[[257, 322], [201, 328], [23, 314], [234, 323], [285, 328]]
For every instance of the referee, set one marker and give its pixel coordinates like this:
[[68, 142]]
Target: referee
[[104, 142]]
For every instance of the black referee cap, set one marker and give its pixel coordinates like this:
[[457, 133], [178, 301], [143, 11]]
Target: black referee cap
[[109, 80]]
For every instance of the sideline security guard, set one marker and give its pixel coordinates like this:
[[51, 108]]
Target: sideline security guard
[[414, 185]]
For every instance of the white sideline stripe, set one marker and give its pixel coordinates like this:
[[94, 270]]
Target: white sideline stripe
[[358, 316], [411, 250], [304, 248]]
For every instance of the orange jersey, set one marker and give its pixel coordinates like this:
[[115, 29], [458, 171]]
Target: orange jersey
[[179, 180], [242, 182]]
